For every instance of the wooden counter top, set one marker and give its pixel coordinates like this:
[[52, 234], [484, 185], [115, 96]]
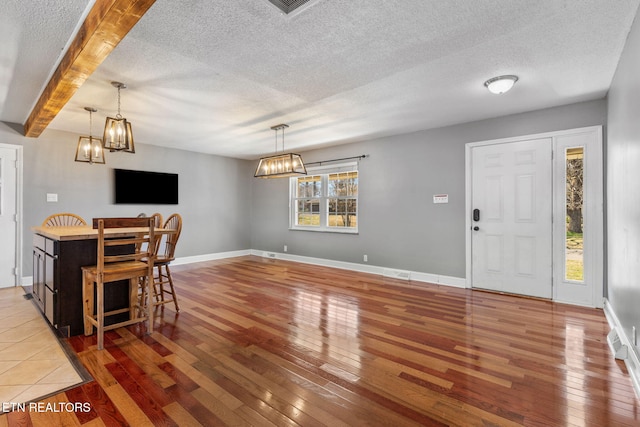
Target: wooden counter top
[[84, 232]]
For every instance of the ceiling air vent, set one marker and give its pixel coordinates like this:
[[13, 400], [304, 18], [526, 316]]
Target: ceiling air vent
[[288, 6]]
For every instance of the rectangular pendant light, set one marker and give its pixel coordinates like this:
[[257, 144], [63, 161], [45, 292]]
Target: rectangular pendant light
[[89, 149], [280, 165], [118, 135]]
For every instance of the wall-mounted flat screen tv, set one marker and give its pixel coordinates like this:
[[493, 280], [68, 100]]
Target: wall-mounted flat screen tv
[[143, 187]]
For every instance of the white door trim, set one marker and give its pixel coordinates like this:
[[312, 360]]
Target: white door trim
[[19, 186], [596, 214]]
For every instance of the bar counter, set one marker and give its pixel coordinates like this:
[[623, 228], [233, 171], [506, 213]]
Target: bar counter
[[84, 232], [58, 255]]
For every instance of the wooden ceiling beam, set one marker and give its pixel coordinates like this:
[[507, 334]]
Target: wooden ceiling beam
[[106, 25]]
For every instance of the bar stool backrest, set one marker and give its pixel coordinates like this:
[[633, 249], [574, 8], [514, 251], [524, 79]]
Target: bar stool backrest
[[173, 223], [63, 220]]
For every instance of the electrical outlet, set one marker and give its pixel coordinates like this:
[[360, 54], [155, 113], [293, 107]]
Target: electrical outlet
[[52, 197], [365, 258], [285, 248]]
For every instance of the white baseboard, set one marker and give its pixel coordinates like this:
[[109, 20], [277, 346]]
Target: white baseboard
[[364, 268], [415, 276], [210, 257], [456, 282], [633, 359]]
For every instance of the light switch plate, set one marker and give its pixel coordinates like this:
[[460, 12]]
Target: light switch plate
[[52, 197]]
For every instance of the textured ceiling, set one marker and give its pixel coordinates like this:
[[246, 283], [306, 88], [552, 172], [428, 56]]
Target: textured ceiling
[[213, 76]]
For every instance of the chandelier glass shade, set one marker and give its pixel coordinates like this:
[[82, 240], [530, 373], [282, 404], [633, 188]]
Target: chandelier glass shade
[[90, 149], [280, 165], [118, 135]]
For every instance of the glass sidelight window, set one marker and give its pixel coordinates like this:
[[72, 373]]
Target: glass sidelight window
[[574, 240]]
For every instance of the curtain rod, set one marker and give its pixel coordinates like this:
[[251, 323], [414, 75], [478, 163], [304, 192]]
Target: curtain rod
[[337, 160]]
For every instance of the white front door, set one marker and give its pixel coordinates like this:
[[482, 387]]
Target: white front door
[[8, 218], [511, 201]]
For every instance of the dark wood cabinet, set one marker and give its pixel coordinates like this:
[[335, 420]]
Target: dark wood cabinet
[[44, 282], [57, 282]]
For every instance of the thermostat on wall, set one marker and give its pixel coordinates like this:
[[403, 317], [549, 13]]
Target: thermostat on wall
[[440, 198]]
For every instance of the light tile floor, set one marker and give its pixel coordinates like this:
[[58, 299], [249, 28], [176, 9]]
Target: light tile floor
[[32, 362]]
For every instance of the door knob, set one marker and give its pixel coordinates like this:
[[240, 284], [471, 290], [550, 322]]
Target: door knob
[[476, 228]]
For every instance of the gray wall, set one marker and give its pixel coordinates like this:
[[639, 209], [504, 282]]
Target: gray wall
[[623, 179], [213, 198], [226, 209], [399, 226]]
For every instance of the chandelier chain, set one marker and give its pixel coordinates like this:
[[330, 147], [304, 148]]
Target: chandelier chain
[[118, 116]]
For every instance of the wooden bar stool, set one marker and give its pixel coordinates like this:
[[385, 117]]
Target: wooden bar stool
[[164, 256], [121, 263]]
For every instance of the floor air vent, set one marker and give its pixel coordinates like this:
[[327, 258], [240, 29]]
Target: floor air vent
[[396, 274], [288, 6]]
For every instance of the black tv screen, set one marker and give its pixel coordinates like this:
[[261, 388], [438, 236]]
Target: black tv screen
[[142, 187]]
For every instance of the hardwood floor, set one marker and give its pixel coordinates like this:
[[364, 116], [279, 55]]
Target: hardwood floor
[[268, 342]]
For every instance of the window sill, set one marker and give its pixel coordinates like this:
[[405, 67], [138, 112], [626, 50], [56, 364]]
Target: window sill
[[324, 230]]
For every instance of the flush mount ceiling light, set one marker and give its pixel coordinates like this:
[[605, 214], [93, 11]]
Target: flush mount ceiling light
[[89, 148], [117, 131], [501, 84], [280, 165]]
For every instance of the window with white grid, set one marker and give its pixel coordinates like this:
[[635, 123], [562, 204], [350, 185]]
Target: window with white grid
[[326, 199]]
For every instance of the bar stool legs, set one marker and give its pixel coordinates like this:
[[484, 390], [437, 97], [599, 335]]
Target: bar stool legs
[[163, 278], [88, 302], [138, 307]]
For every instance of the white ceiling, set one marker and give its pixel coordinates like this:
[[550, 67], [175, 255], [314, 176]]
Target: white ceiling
[[213, 76]]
